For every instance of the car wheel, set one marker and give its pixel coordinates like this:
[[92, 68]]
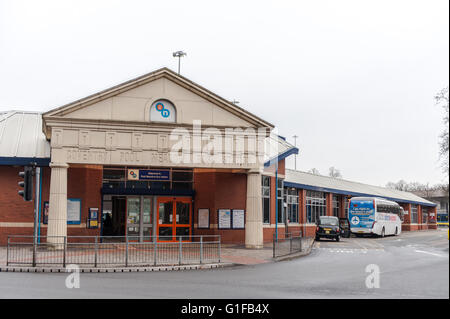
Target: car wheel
[[396, 231], [317, 238], [382, 233], [338, 238]]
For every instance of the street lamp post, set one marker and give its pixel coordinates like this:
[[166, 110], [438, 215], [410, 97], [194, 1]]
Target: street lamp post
[[295, 156], [179, 55]]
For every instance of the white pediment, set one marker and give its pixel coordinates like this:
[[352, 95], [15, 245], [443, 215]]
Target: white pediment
[[132, 102]]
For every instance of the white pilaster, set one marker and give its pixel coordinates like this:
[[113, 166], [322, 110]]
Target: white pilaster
[[254, 222], [57, 216]]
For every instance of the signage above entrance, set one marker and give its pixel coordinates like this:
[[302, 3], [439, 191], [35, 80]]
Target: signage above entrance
[[148, 175]]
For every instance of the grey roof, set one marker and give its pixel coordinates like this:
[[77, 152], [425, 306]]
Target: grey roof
[[340, 186], [21, 136]]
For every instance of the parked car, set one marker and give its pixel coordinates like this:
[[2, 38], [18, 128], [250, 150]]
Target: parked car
[[328, 227], [345, 227]]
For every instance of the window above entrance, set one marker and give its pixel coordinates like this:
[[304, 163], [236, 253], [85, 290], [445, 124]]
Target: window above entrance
[[162, 111]]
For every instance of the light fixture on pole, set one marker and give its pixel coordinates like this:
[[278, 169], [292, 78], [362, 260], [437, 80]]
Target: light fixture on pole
[[295, 157], [179, 55]]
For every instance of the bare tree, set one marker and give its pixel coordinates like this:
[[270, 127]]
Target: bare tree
[[401, 185], [314, 171], [442, 99], [334, 172]]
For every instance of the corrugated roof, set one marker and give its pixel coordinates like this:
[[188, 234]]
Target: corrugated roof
[[277, 148], [21, 137], [340, 186]]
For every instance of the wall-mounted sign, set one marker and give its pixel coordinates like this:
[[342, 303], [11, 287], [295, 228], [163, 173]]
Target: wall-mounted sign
[[162, 111], [203, 218], [73, 211], [238, 219], [148, 175], [224, 218]]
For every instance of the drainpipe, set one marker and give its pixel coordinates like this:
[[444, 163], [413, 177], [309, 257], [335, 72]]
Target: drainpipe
[[276, 200]]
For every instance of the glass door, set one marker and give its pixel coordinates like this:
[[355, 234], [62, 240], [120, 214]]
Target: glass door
[[133, 217], [139, 218], [174, 218]]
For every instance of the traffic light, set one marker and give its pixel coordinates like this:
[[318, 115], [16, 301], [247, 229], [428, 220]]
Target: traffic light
[[27, 184]]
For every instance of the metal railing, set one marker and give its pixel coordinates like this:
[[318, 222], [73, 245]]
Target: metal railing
[[117, 251], [291, 243]]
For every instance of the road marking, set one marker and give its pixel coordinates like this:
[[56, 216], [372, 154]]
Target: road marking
[[427, 252]]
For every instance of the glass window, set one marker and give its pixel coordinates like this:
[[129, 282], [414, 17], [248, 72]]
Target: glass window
[[316, 205], [291, 198], [336, 205], [424, 215], [281, 213], [414, 217], [265, 185]]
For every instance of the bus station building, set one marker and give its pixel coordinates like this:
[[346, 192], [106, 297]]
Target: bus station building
[[162, 156]]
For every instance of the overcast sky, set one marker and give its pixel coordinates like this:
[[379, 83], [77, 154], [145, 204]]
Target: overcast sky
[[355, 80]]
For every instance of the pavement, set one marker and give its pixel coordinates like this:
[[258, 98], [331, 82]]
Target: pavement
[[412, 265]]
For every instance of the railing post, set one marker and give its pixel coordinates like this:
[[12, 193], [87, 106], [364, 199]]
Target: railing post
[[180, 255], [155, 250], [219, 248], [7, 253], [273, 246], [126, 251], [34, 253], [290, 244], [201, 249], [96, 251], [64, 254]]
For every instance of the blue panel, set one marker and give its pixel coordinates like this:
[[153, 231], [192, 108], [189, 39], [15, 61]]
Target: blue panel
[[24, 161]]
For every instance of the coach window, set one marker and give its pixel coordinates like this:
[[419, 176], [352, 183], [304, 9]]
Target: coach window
[[336, 206], [316, 205], [265, 185], [291, 195], [414, 217]]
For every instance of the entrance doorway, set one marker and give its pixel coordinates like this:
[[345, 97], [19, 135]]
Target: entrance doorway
[[139, 218], [174, 218], [113, 218]]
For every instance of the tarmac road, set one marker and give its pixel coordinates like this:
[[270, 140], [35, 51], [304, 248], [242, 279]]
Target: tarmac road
[[413, 265]]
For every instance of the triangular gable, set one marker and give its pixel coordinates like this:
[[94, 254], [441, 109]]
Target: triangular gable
[[196, 101]]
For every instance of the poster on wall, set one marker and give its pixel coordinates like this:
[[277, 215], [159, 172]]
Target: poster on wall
[[238, 219], [45, 213], [73, 211], [224, 218], [203, 218]]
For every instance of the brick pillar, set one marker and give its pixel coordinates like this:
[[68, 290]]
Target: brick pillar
[[341, 207], [419, 216], [329, 204]]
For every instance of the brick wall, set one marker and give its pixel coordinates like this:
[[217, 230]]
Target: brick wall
[[84, 182]]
